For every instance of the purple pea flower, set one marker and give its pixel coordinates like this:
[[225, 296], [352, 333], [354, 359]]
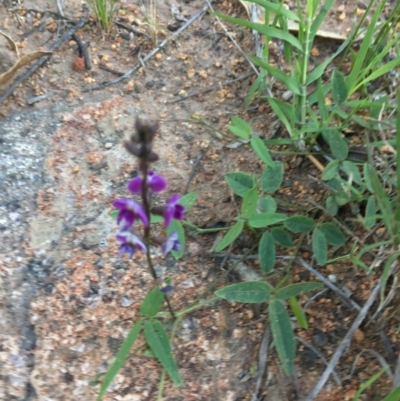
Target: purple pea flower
[[129, 211], [130, 242], [173, 210], [156, 182], [171, 244]]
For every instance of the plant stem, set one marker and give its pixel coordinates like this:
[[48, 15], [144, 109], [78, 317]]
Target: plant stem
[[146, 206]]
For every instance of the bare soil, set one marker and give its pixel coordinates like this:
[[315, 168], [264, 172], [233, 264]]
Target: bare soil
[[67, 300]]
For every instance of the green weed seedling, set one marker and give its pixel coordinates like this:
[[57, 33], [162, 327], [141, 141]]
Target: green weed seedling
[[104, 11]]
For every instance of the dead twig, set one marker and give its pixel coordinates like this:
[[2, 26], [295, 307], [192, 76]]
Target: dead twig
[[327, 282], [321, 356], [212, 88], [83, 49], [131, 29], [151, 54], [262, 362], [42, 60], [193, 172], [344, 344], [105, 68]]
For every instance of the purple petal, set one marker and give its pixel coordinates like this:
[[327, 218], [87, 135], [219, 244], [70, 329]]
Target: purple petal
[[173, 200], [125, 219], [171, 244], [156, 182], [127, 248], [135, 209], [168, 215], [142, 216], [135, 186], [129, 239], [179, 210]]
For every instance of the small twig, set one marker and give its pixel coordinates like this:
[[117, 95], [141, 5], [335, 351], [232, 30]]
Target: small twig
[[193, 172], [236, 44], [382, 361], [140, 58], [341, 225], [83, 50], [151, 54], [344, 344], [105, 68], [327, 282], [60, 7], [42, 60], [212, 88], [34, 29], [321, 356], [262, 362], [132, 29]]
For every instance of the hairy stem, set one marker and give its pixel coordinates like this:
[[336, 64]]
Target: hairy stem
[[146, 206]]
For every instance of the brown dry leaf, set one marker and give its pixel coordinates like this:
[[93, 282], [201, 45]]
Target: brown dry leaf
[[11, 42], [22, 62]]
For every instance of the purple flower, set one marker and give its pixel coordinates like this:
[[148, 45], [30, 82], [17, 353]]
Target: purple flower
[[130, 242], [129, 211], [156, 182], [173, 210], [171, 244]]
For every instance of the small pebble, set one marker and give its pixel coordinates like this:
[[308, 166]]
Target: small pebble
[[108, 145], [319, 338]]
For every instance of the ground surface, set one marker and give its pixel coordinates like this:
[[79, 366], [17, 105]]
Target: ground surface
[[67, 300]]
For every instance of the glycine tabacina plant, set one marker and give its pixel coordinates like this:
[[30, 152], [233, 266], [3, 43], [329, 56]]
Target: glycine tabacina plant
[[131, 215]]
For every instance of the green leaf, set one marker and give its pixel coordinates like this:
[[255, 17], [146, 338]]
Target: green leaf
[[120, 358], [266, 204], [239, 182], [333, 234], [331, 170], [272, 177], [230, 236], [278, 108], [319, 246], [338, 145], [293, 290], [369, 383], [266, 252], [264, 29], [367, 177], [277, 9], [176, 225], [158, 341], [352, 171], [154, 218], [266, 219], [290, 82], [188, 200], [299, 224], [261, 150], [339, 87], [282, 333], [252, 292], [240, 128], [152, 303], [249, 203], [393, 396], [114, 214], [331, 206], [342, 198], [370, 213], [298, 313], [282, 237]]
